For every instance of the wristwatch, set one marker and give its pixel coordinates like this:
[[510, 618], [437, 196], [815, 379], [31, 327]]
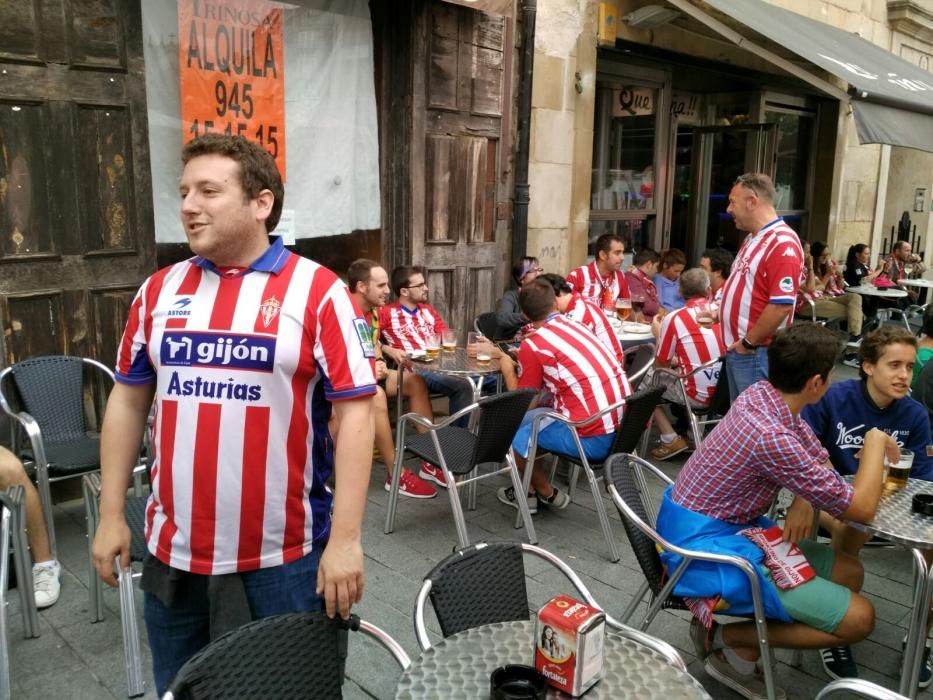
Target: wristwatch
[[748, 345]]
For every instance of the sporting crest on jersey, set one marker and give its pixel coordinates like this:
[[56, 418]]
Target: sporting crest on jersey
[[268, 310], [786, 285], [365, 337]]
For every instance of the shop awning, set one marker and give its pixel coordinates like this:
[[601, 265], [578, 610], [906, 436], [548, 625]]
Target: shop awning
[[892, 99]]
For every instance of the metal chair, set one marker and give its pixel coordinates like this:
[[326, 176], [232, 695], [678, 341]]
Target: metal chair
[[457, 451], [485, 583], [13, 500], [629, 491], [638, 360], [45, 397], [637, 410], [694, 412], [487, 324], [862, 688], [283, 656], [135, 512]]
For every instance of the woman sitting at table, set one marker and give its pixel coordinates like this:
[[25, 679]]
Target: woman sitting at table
[[824, 285], [667, 280], [509, 317], [858, 268]]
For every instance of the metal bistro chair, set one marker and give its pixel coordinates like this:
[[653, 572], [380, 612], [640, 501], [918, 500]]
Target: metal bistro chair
[[860, 687], [135, 512], [299, 655], [638, 360], [629, 491], [638, 408], [45, 397], [698, 416], [487, 325], [457, 451], [13, 500], [485, 583]]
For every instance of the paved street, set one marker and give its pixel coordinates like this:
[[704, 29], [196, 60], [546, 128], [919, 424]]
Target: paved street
[[79, 660]]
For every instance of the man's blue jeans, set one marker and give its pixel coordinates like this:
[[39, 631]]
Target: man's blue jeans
[[745, 370], [177, 633], [458, 390]]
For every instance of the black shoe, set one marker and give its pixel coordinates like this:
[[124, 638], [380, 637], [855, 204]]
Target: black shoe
[[839, 662]]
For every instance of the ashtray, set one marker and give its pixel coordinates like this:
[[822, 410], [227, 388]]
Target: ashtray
[[923, 504], [517, 682]]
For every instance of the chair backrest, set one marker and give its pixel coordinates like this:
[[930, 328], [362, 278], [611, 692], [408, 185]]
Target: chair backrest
[[285, 656], [621, 473], [638, 409], [499, 419], [488, 324], [52, 392], [479, 585], [638, 359]]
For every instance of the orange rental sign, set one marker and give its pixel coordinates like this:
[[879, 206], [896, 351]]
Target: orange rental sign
[[231, 60]]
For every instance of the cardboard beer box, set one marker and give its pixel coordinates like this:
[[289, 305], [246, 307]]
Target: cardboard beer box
[[569, 637]]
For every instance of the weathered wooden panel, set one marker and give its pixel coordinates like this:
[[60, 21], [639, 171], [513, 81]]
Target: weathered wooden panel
[[19, 29], [442, 289], [103, 159], [95, 33], [438, 155], [483, 294], [486, 87], [109, 309], [24, 185], [33, 325], [489, 192], [444, 59], [487, 30], [467, 178]]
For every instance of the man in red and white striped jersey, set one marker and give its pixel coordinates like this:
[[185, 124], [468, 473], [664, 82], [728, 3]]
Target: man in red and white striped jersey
[[602, 281], [565, 359], [759, 296], [586, 312], [718, 263], [247, 349], [405, 325], [687, 339]]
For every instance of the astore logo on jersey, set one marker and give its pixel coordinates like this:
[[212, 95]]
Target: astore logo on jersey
[[180, 308], [229, 351]]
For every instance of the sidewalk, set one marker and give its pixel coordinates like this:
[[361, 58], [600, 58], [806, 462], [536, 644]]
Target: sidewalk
[[78, 660]]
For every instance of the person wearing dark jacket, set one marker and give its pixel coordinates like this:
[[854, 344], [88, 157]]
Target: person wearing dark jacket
[[509, 316]]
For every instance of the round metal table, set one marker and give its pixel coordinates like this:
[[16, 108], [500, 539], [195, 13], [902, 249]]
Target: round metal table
[[630, 333], [919, 282], [869, 290], [460, 666]]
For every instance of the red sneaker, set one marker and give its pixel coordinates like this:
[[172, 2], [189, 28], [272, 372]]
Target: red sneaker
[[431, 473], [411, 486]]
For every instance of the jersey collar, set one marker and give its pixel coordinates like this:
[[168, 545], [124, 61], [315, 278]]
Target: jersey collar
[[272, 260]]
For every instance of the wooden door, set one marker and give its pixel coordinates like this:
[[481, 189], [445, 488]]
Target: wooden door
[[76, 231], [459, 232]]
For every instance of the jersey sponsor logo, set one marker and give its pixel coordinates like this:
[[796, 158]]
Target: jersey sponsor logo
[[206, 389], [180, 307], [786, 285], [268, 310], [788, 252], [222, 350], [847, 439], [364, 336]]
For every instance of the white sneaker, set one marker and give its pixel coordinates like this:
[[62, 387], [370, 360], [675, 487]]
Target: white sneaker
[[46, 582]]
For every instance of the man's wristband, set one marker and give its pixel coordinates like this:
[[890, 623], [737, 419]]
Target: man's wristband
[[748, 345]]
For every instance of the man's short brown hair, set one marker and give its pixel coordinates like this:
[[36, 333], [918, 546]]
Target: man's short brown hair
[[875, 343], [258, 171], [759, 183], [360, 270], [536, 299]]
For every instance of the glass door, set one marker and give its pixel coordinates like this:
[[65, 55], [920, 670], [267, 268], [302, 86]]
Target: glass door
[[717, 156]]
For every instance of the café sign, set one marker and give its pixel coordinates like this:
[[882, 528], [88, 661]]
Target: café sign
[[633, 101]]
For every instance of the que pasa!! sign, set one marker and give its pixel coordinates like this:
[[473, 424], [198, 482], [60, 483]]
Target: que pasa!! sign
[[231, 61]]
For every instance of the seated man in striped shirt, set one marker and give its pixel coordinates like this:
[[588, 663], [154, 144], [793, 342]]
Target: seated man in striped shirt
[[687, 338], [761, 446], [567, 360]]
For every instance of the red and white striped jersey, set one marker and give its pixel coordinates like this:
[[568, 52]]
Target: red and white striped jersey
[[568, 360], [767, 270], [693, 345], [602, 291], [245, 367], [408, 329], [586, 312]]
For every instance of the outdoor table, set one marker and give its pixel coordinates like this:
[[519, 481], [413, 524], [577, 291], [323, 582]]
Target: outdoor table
[[896, 522], [923, 285], [460, 666], [628, 335], [870, 290]]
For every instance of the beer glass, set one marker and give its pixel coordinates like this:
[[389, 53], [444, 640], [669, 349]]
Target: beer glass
[[449, 340], [898, 474], [623, 309], [432, 345]]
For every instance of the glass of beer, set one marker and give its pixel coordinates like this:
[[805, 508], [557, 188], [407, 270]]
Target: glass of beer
[[623, 309], [483, 357], [449, 340], [432, 345], [898, 474]]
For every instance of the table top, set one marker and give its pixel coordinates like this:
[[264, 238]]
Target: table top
[[873, 291], [629, 331], [454, 363], [460, 666], [919, 282], [896, 522]]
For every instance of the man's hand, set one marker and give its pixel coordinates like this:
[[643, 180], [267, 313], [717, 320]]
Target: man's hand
[[381, 371], [340, 576], [892, 451], [739, 348], [485, 346], [397, 356], [799, 521], [112, 539]]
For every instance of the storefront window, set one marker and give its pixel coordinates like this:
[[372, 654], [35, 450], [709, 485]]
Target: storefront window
[[794, 144], [624, 149]]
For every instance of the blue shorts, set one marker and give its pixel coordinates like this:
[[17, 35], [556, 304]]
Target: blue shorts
[[557, 437]]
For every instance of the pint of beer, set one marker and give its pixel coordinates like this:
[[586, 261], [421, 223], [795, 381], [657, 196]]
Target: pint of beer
[[898, 474], [623, 309], [432, 345]]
